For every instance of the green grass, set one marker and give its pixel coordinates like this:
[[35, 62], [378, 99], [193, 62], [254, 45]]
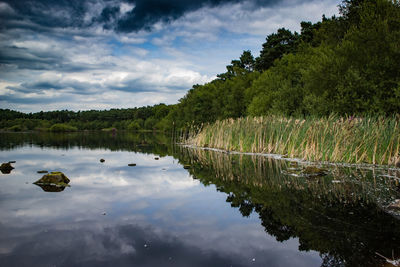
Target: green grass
[[374, 140]]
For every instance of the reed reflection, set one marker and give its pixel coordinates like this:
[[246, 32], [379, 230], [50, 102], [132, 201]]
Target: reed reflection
[[342, 215]]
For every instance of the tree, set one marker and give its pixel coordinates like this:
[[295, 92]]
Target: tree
[[244, 65], [277, 44]]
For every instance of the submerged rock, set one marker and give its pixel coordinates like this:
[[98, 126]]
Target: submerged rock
[[53, 178], [6, 168], [132, 164]]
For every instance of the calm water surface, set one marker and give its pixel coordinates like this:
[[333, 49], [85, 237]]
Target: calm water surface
[[225, 210]]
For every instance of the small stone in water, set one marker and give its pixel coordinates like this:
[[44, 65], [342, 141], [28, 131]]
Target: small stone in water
[[156, 158], [132, 164], [102, 160]]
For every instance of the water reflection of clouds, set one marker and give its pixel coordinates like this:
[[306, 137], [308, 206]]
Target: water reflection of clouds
[[127, 245], [181, 221]]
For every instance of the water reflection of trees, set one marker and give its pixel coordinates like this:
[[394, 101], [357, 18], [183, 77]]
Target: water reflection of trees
[[121, 141], [343, 219]]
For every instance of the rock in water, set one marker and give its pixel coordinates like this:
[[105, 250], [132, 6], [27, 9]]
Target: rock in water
[[156, 158], [6, 168], [51, 188], [132, 164], [102, 160], [42, 171], [53, 178]]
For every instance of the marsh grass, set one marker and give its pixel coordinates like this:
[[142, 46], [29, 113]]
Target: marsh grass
[[374, 140]]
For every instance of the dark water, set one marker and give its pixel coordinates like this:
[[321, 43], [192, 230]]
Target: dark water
[[224, 210]]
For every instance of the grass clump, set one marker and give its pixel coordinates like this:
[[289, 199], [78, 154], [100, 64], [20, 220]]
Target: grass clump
[[374, 140]]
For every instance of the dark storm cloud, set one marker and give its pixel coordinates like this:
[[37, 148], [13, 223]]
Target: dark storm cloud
[[78, 88], [24, 58], [31, 100], [148, 12], [60, 13], [54, 59], [71, 13], [141, 85]]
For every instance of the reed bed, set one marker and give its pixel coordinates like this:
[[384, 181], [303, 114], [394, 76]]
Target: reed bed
[[374, 140]]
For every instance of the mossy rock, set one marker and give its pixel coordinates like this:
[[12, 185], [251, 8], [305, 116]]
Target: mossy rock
[[313, 171], [6, 168], [132, 164], [53, 178]]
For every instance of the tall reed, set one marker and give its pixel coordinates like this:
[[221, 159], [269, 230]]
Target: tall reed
[[374, 140]]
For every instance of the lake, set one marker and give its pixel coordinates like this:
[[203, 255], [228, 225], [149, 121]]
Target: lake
[[181, 206]]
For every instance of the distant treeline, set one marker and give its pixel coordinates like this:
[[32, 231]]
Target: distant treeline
[[347, 65], [143, 118]]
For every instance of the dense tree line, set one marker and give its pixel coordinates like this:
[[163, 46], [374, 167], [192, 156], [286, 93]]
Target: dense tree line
[[348, 65], [345, 65]]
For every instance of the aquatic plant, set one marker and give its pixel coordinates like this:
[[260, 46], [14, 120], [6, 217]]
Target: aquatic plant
[[374, 140]]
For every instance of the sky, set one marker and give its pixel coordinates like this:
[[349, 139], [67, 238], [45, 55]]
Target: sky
[[102, 54]]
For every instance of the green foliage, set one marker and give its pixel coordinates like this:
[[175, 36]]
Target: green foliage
[[134, 126], [245, 64], [61, 127], [277, 44], [16, 128], [83, 120], [150, 123]]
